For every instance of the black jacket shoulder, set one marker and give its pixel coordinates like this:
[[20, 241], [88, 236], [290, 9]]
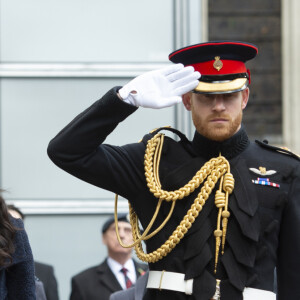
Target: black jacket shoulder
[[276, 149]]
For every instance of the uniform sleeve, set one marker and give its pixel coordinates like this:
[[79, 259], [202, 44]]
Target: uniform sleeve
[[289, 244], [20, 280], [79, 150]]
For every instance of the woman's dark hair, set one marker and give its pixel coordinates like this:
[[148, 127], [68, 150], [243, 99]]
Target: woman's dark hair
[[7, 233]]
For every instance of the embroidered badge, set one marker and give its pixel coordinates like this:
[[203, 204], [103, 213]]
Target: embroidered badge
[[263, 171], [266, 181], [218, 65], [141, 271]]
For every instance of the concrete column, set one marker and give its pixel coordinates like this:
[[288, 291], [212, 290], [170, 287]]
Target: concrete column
[[291, 73], [190, 27]]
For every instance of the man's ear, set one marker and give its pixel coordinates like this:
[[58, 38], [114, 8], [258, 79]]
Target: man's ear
[[245, 95], [186, 99]]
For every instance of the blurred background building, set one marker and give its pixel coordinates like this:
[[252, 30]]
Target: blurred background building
[[58, 57]]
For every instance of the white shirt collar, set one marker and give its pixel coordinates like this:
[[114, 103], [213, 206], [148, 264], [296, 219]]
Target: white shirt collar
[[116, 269]]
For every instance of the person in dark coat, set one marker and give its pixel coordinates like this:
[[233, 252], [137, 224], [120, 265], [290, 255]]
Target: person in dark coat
[[39, 290], [99, 282], [44, 273], [17, 279], [227, 209]]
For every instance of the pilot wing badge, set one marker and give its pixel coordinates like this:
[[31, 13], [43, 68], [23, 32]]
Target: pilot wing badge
[[262, 171]]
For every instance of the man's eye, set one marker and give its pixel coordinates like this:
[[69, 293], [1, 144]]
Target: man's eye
[[208, 97], [228, 95]]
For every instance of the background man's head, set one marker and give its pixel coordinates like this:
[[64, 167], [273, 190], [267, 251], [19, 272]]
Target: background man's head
[[109, 237], [218, 101]]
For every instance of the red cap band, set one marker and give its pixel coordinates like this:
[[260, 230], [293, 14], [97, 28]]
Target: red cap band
[[228, 67]]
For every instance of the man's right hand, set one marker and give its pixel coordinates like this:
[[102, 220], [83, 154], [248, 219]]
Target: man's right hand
[[160, 88]]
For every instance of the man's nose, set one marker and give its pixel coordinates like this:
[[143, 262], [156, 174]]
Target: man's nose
[[218, 103], [121, 232]]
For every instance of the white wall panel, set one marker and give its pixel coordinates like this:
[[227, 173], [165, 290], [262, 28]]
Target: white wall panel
[[33, 112], [85, 30]]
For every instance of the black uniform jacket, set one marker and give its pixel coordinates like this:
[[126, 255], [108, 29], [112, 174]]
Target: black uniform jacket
[[263, 229], [99, 282]]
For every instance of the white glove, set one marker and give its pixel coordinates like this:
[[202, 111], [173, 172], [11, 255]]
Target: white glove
[[160, 88]]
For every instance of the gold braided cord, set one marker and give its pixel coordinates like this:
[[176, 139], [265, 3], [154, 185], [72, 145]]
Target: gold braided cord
[[186, 223], [182, 192], [137, 237], [220, 203], [156, 159], [209, 175], [228, 188]]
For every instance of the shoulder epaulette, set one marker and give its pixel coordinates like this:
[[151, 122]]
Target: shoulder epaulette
[[283, 150], [167, 128]]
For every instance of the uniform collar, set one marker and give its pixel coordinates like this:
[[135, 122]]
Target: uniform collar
[[229, 148]]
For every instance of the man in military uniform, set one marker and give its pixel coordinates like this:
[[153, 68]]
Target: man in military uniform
[[224, 211]]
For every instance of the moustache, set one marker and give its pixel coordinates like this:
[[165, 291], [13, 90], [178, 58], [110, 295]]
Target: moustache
[[218, 116]]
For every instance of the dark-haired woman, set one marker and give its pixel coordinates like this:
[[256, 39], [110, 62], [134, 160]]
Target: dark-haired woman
[[16, 260]]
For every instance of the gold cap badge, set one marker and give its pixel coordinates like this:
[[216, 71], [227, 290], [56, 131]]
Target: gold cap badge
[[218, 63]]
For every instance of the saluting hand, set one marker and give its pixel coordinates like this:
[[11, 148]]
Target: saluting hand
[[160, 88]]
